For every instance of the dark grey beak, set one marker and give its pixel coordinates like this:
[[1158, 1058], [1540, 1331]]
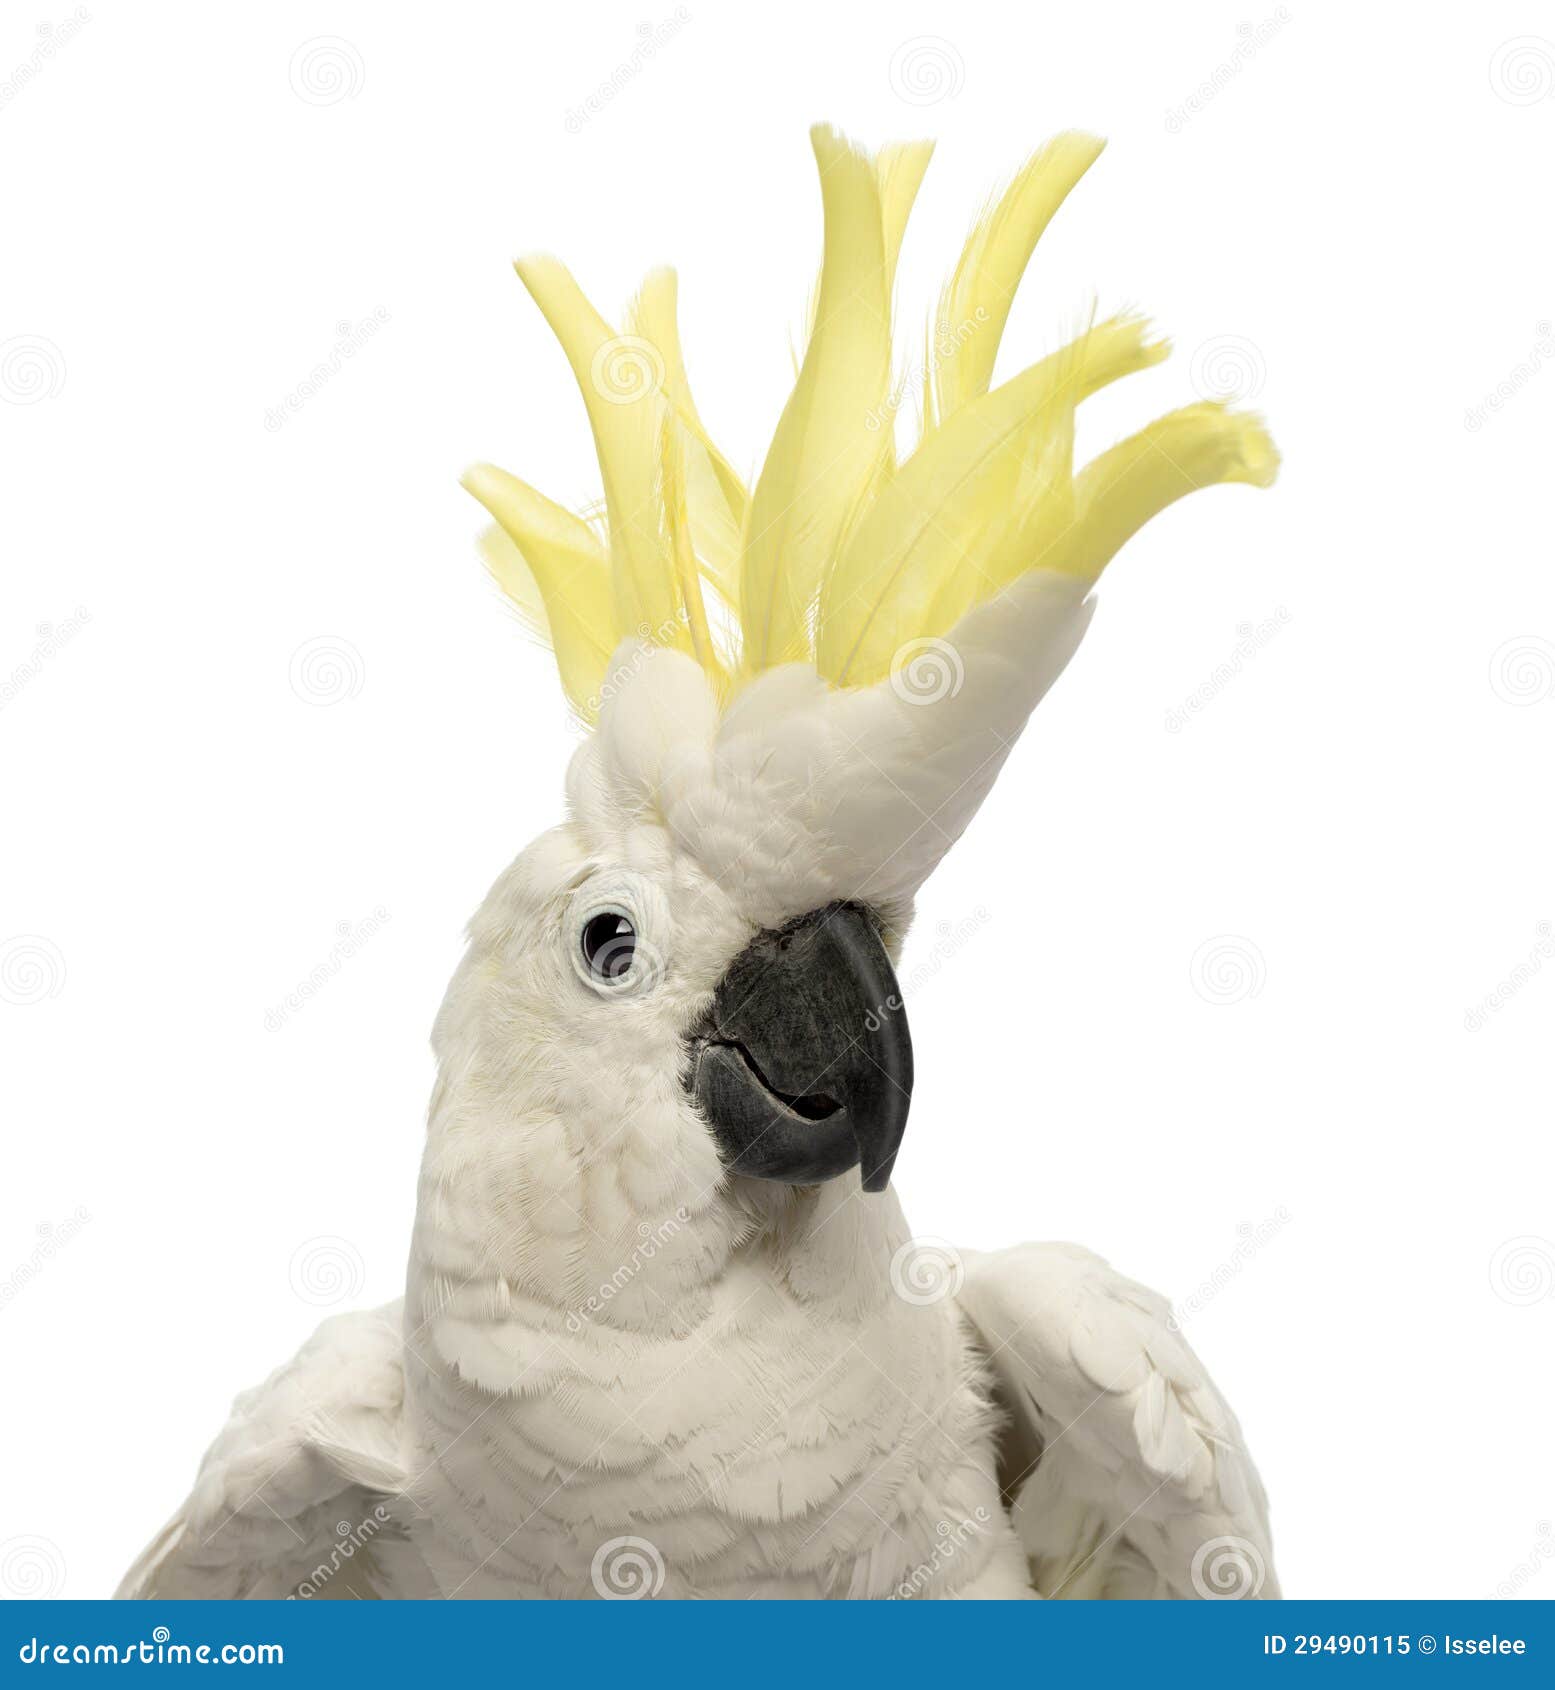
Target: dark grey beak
[[803, 1065]]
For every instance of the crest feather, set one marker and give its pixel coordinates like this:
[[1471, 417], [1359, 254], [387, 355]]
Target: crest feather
[[841, 558]]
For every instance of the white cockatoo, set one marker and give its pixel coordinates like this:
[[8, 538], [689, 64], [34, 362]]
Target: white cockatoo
[[665, 1329]]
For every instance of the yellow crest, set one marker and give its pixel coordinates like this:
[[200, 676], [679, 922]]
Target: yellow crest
[[842, 556]]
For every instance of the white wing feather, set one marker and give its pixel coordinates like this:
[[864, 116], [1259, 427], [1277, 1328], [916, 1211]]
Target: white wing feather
[[302, 1488], [1127, 1470]]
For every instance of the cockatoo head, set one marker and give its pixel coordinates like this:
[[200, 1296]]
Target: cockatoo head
[[799, 696]]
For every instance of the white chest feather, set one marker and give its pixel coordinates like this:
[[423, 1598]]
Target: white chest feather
[[779, 1445]]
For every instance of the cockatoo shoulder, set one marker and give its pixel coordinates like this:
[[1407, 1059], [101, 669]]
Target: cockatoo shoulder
[[1128, 1473], [298, 1492]]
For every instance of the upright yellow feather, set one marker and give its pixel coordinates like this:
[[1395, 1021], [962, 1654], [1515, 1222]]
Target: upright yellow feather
[[824, 451], [840, 557], [555, 554], [619, 382], [976, 302]]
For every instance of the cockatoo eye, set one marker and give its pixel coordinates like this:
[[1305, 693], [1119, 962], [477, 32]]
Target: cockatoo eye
[[616, 931], [609, 945]]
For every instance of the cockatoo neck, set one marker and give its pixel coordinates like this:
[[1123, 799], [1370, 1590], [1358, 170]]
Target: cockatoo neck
[[530, 1219]]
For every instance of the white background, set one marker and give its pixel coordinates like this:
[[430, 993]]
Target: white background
[[1343, 217]]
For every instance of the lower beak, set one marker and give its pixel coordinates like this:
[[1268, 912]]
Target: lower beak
[[803, 1064]]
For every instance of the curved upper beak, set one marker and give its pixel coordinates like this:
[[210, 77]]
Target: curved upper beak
[[803, 1064]]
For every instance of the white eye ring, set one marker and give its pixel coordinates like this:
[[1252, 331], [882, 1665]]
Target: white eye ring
[[612, 935]]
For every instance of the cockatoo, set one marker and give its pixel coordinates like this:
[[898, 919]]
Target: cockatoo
[[665, 1329]]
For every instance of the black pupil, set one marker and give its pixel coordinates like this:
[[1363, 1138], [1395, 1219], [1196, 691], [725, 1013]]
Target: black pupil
[[609, 940]]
